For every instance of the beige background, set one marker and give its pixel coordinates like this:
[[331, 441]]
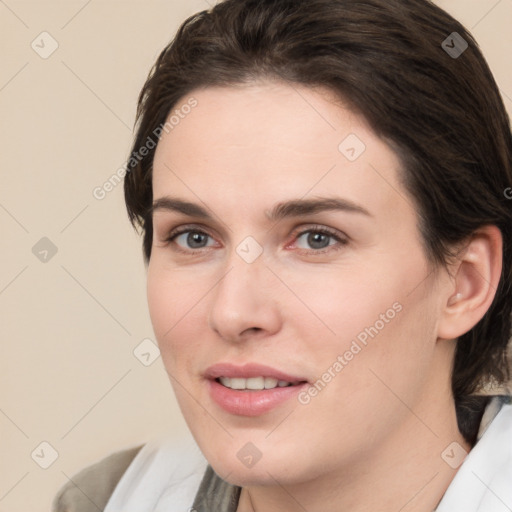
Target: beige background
[[69, 325]]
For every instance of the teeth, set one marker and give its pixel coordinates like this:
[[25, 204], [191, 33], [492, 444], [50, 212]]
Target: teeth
[[270, 383], [225, 381], [253, 383], [238, 384]]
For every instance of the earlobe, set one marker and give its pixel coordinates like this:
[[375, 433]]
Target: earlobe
[[476, 276]]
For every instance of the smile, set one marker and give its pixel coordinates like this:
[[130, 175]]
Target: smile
[[251, 389], [253, 383]]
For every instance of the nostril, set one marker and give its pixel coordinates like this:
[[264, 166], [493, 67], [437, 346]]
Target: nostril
[[252, 330]]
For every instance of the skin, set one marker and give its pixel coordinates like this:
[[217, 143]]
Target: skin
[[373, 437]]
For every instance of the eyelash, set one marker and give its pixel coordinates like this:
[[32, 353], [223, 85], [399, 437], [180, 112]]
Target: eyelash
[[170, 239]]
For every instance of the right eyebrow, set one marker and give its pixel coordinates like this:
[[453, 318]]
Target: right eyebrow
[[177, 205]]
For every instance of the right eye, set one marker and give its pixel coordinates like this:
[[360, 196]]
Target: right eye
[[189, 240]]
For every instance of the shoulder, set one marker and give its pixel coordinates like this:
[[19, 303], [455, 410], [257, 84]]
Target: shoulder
[[90, 489]]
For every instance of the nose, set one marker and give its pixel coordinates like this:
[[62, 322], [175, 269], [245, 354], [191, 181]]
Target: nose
[[242, 305]]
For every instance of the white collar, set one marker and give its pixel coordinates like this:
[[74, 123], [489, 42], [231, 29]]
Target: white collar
[[163, 477], [484, 481]]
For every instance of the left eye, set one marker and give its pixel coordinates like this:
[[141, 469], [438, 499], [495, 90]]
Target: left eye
[[317, 239]]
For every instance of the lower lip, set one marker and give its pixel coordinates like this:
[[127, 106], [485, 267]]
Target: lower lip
[[251, 403]]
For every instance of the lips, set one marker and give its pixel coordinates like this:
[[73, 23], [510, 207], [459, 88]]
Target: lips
[[251, 389], [249, 370], [253, 383]]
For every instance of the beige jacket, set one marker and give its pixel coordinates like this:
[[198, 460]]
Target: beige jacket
[[90, 490]]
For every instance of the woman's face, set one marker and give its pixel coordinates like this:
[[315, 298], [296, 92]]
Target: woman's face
[[286, 249]]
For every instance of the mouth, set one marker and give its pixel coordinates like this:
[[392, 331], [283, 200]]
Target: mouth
[[251, 389], [254, 383]]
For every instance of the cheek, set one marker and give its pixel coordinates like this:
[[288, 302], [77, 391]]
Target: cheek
[[171, 307], [161, 302], [386, 352], [370, 316], [340, 303]]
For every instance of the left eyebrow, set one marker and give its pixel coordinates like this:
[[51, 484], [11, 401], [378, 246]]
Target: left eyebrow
[[293, 208], [302, 207]]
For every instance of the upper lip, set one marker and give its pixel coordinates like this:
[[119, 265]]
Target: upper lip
[[247, 371]]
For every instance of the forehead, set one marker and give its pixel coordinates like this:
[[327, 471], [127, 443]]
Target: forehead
[[277, 117], [261, 143]]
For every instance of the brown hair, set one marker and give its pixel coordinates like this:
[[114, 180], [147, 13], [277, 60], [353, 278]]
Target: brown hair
[[441, 112]]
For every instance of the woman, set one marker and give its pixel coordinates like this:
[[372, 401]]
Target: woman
[[329, 247]]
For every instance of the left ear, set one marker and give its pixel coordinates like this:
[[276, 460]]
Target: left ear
[[475, 278]]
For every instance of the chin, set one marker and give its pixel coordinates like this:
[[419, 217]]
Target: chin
[[244, 463], [263, 473]]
